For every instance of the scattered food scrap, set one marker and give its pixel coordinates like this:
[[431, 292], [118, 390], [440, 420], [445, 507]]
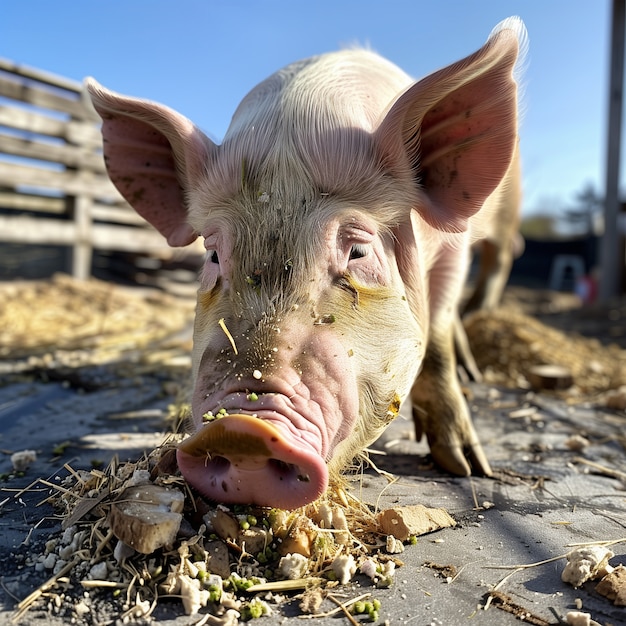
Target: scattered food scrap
[[579, 618], [587, 563], [592, 563], [137, 530], [21, 460], [613, 586]]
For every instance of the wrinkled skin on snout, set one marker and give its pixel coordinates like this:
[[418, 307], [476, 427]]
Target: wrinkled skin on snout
[[337, 216]]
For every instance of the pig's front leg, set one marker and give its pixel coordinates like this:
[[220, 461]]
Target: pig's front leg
[[439, 407], [441, 413]]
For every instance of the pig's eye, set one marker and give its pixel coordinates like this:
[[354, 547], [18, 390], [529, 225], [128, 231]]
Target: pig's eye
[[214, 257], [358, 251]]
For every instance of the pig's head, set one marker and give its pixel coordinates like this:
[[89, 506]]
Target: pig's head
[[320, 212]]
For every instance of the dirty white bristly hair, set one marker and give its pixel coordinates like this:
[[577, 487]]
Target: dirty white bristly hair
[[311, 123]]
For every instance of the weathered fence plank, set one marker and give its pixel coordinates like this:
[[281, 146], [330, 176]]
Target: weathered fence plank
[[72, 156], [71, 183], [42, 231], [29, 122], [43, 98], [53, 184], [27, 202]]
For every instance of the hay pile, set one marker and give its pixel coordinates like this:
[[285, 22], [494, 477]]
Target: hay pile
[[507, 344], [64, 314]]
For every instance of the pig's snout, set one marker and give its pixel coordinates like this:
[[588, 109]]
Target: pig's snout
[[243, 459]]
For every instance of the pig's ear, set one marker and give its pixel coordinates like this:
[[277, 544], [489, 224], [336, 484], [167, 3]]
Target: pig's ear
[[457, 128], [153, 156]]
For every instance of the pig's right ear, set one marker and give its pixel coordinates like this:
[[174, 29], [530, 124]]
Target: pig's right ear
[[455, 131], [153, 156]]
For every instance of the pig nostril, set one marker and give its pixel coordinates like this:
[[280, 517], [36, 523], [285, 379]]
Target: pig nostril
[[219, 463], [285, 470], [282, 469]]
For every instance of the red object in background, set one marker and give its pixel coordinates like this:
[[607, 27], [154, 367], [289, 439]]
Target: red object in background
[[587, 289]]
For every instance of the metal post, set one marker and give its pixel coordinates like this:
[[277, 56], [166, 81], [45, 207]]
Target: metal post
[[611, 255]]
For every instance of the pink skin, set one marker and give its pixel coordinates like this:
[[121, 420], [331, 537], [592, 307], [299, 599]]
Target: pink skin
[[307, 391]]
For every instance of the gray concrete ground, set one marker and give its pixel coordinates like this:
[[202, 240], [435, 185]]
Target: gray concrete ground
[[544, 500]]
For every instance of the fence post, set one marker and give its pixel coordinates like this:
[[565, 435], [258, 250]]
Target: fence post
[[82, 249]]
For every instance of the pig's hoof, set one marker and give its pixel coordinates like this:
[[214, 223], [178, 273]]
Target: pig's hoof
[[462, 462], [247, 460]]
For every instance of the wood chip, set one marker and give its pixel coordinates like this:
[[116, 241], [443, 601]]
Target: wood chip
[[147, 517], [550, 377], [404, 522]]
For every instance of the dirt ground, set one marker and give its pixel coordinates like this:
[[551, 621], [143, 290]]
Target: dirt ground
[[89, 371]]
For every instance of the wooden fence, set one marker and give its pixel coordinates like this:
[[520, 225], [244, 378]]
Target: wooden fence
[[53, 185]]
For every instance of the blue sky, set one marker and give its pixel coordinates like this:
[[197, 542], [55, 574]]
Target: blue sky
[[202, 56]]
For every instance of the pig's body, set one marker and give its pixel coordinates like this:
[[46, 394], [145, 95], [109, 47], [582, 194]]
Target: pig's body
[[337, 216]]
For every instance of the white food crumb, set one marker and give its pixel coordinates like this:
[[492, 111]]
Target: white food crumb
[[230, 618], [577, 618], [394, 546], [293, 566], [122, 551], [257, 374], [368, 568], [68, 535], [325, 513], [586, 563], [344, 568], [340, 523], [50, 561], [81, 608], [21, 460], [193, 597]]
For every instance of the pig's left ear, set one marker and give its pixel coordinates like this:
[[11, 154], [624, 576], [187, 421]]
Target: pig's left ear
[[153, 156], [457, 128]]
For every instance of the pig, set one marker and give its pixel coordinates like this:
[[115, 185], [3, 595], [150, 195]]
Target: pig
[[337, 216]]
